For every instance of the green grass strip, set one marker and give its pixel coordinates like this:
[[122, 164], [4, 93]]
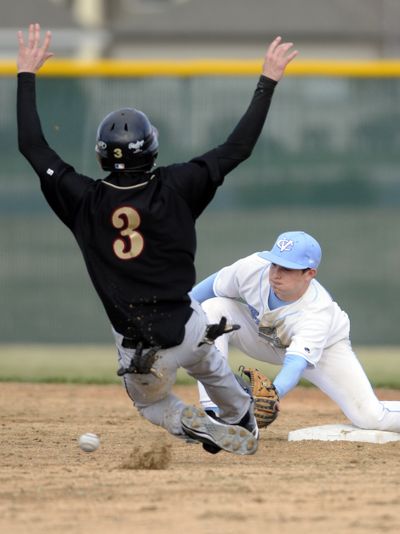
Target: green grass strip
[[97, 364]]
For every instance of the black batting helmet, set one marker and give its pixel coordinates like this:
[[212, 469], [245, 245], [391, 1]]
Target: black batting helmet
[[126, 141]]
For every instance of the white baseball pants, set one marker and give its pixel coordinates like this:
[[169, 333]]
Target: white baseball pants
[[338, 374]]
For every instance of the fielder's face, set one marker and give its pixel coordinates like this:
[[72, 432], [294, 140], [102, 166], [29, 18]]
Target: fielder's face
[[290, 284]]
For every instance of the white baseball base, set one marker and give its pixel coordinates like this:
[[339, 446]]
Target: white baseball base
[[342, 433]]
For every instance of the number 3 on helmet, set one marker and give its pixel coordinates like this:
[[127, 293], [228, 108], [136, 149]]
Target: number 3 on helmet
[[126, 141]]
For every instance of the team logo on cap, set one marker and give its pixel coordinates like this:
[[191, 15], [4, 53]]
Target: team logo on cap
[[285, 245]]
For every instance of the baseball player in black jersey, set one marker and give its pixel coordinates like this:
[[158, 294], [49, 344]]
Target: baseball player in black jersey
[[136, 232]]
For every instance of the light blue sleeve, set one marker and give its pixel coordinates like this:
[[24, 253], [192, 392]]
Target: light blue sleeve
[[290, 374], [204, 289]]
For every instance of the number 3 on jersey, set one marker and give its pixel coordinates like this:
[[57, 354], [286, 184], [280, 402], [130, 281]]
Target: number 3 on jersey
[[131, 242]]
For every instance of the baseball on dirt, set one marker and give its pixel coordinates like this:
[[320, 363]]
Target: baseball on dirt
[[89, 442]]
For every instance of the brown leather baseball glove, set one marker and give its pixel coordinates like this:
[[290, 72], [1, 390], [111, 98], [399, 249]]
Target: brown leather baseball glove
[[266, 398]]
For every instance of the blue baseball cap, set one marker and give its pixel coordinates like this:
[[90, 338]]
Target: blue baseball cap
[[294, 250]]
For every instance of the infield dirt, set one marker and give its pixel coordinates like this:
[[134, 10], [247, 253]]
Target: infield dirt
[[141, 480]]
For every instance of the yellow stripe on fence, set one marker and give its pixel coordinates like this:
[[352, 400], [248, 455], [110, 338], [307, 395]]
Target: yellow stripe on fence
[[207, 67]]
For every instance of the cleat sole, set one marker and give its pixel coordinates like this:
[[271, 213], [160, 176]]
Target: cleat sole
[[230, 438]]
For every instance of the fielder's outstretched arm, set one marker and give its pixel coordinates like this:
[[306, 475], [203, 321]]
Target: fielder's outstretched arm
[[290, 374], [204, 290]]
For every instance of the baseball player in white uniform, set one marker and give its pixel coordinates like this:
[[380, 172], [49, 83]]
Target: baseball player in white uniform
[[288, 318]]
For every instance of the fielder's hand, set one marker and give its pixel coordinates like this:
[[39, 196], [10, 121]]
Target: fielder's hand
[[277, 57], [33, 55], [266, 398]]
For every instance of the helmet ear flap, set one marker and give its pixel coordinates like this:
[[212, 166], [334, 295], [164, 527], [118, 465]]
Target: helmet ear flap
[[126, 141]]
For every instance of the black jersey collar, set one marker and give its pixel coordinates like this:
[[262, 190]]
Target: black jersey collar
[[135, 186]]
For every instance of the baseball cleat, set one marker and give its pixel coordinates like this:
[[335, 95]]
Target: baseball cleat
[[216, 435]]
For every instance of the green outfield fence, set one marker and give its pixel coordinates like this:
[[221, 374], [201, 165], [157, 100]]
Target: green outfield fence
[[328, 162]]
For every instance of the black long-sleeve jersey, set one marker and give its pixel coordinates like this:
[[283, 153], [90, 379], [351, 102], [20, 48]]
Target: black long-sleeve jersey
[[137, 232]]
